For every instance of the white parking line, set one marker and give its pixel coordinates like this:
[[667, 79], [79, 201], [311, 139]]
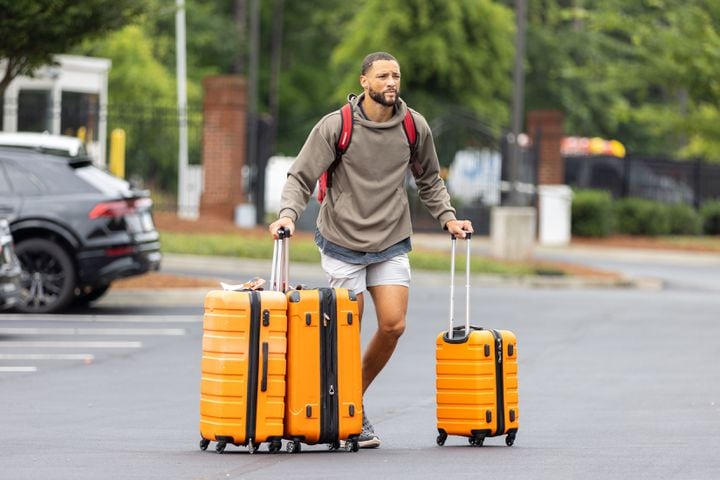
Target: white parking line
[[14, 317], [92, 331], [17, 369], [60, 344], [88, 357]]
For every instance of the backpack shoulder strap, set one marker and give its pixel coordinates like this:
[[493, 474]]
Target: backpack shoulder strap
[[411, 133], [346, 128], [343, 142]]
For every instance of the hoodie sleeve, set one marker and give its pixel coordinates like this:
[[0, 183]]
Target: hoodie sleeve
[[316, 155], [431, 187]]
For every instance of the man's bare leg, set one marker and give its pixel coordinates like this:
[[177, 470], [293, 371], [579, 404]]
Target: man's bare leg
[[391, 302]]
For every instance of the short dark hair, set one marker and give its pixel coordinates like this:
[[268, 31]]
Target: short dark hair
[[372, 58]]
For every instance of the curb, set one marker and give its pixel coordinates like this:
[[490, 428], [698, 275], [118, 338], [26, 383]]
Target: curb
[[196, 296]]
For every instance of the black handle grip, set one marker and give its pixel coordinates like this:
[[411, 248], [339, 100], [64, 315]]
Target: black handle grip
[[265, 353], [283, 232], [468, 235]]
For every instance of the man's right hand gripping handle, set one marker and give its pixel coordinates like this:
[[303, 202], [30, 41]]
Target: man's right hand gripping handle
[[281, 222]]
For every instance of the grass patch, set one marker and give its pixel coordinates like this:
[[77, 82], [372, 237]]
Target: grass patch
[[707, 242], [303, 250]]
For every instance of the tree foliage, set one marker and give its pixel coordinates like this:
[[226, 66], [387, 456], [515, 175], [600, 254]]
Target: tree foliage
[[644, 72], [31, 31], [450, 53]]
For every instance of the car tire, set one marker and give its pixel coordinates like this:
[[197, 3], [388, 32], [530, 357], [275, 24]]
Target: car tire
[[47, 282]]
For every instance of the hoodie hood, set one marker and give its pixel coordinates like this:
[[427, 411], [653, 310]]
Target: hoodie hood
[[396, 119]]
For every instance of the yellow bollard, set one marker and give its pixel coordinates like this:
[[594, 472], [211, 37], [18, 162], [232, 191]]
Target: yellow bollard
[[117, 152]]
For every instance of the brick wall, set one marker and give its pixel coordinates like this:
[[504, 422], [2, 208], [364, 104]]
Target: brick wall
[[224, 108], [547, 125]]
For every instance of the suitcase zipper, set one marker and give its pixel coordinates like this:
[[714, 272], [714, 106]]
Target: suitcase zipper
[[253, 354], [328, 366], [500, 384]]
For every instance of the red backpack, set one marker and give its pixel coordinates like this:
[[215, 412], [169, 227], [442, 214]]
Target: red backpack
[[346, 128]]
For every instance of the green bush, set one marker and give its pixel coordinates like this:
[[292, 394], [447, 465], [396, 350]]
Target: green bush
[[592, 213], [684, 220], [710, 215], [637, 216]]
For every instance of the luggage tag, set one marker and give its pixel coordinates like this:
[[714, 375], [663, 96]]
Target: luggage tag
[[255, 283]]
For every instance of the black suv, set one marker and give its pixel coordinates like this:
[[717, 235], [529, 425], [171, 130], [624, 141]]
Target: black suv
[[76, 228], [9, 268]]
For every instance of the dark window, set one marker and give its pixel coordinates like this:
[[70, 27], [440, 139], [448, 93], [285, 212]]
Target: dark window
[[4, 184], [34, 111], [80, 113], [23, 181]]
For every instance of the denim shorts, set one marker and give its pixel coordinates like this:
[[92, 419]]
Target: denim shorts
[[395, 271]]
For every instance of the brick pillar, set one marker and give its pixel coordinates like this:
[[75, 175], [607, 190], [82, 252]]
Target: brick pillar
[[546, 126], [224, 110]]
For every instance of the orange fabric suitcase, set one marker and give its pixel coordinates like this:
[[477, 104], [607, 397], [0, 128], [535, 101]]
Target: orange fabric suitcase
[[324, 369], [476, 378], [242, 389]]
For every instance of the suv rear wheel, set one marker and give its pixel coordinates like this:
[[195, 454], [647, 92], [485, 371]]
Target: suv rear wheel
[[48, 276]]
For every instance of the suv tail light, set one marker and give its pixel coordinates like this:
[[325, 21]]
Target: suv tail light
[[118, 208]]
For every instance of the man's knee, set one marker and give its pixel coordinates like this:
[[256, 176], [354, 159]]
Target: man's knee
[[393, 328]]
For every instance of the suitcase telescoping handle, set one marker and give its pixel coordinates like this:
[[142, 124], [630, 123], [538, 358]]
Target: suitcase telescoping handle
[[279, 276], [468, 235]]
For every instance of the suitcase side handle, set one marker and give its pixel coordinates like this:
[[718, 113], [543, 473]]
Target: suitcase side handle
[[264, 381], [468, 236], [280, 270]]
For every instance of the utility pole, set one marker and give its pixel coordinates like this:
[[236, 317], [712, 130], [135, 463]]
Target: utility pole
[[183, 200], [252, 100], [240, 14], [518, 99]]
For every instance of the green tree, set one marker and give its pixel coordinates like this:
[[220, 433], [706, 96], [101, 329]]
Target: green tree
[[307, 80], [142, 101], [644, 72], [31, 31], [451, 53]]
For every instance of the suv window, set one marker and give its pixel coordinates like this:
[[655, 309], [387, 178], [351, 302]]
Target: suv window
[[47, 177], [4, 184], [23, 181]]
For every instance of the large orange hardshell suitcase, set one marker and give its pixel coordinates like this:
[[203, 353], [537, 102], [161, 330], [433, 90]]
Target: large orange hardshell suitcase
[[242, 389], [324, 380], [476, 378]]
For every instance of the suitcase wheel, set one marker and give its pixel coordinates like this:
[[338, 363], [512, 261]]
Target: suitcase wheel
[[252, 446], [220, 447], [510, 439], [293, 446], [204, 444], [334, 446], [352, 445], [476, 441], [440, 440], [274, 446]]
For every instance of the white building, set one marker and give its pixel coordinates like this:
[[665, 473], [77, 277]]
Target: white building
[[69, 98]]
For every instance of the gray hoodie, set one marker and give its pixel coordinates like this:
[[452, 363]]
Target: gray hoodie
[[366, 209]]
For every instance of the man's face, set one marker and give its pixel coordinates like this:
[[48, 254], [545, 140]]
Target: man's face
[[382, 82]]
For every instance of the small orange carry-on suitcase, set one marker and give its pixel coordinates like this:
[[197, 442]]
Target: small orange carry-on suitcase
[[242, 389], [324, 369], [476, 377]]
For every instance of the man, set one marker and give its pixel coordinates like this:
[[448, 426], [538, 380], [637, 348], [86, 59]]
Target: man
[[363, 228]]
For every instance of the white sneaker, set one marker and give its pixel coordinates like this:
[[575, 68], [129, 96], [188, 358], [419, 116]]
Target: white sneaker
[[368, 438]]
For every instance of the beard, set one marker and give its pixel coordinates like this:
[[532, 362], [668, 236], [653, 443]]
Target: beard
[[379, 97]]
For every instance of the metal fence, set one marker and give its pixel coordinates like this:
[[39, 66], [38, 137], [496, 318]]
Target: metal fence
[[661, 179], [151, 156]]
